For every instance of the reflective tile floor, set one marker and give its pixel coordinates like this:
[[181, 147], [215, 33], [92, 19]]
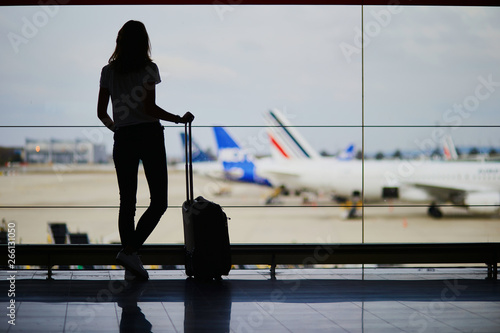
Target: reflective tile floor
[[307, 300]]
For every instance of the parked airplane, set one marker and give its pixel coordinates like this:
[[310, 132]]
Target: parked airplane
[[472, 185], [198, 154], [238, 165], [203, 164], [232, 163], [348, 154]]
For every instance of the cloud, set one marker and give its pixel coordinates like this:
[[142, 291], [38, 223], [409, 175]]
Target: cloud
[[183, 68]]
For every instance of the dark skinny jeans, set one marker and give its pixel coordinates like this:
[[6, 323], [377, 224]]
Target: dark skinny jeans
[[146, 143]]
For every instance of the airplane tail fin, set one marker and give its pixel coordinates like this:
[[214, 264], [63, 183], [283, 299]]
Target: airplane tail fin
[[224, 140], [449, 150], [347, 154], [286, 141], [238, 164], [198, 154]]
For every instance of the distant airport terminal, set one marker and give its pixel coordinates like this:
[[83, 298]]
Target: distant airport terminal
[[64, 151]]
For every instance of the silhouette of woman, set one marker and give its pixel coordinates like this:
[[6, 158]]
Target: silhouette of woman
[[129, 79]]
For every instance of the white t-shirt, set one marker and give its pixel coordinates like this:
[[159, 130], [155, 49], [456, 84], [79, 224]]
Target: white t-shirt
[[128, 92]]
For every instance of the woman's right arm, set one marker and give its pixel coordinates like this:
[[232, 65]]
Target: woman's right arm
[[153, 110], [102, 109]]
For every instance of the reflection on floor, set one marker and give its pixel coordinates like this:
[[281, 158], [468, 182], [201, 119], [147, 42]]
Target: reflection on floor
[[307, 300]]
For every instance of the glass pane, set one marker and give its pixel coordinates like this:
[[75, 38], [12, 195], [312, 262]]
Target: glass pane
[[432, 70], [431, 65], [396, 223]]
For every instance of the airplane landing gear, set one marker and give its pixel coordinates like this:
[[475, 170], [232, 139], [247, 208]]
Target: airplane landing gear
[[434, 211], [350, 207], [272, 199]]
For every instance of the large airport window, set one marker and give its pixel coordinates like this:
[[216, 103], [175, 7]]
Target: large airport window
[[348, 124]]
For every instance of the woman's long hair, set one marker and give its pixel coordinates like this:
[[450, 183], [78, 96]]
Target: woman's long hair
[[133, 49]]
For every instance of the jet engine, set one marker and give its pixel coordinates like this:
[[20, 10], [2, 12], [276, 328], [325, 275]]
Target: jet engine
[[414, 194]]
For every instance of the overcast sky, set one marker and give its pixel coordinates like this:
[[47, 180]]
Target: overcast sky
[[228, 65]]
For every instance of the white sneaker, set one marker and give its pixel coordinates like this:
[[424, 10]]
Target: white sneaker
[[133, 263]]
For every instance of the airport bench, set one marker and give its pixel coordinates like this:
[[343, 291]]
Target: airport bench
[[49, 255]]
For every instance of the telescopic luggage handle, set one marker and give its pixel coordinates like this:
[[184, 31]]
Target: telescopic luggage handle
[[189, 162]]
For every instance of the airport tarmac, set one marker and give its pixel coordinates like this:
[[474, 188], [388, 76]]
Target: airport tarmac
[[87, 201]]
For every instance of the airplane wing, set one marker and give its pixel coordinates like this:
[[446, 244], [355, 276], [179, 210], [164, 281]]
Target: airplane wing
[[283, 174], [443, 193], [479, 200]]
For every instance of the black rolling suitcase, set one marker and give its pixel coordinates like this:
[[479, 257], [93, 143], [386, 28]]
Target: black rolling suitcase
[[206, 235]]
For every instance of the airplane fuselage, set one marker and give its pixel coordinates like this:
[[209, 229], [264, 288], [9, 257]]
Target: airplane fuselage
[[423, 181]]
